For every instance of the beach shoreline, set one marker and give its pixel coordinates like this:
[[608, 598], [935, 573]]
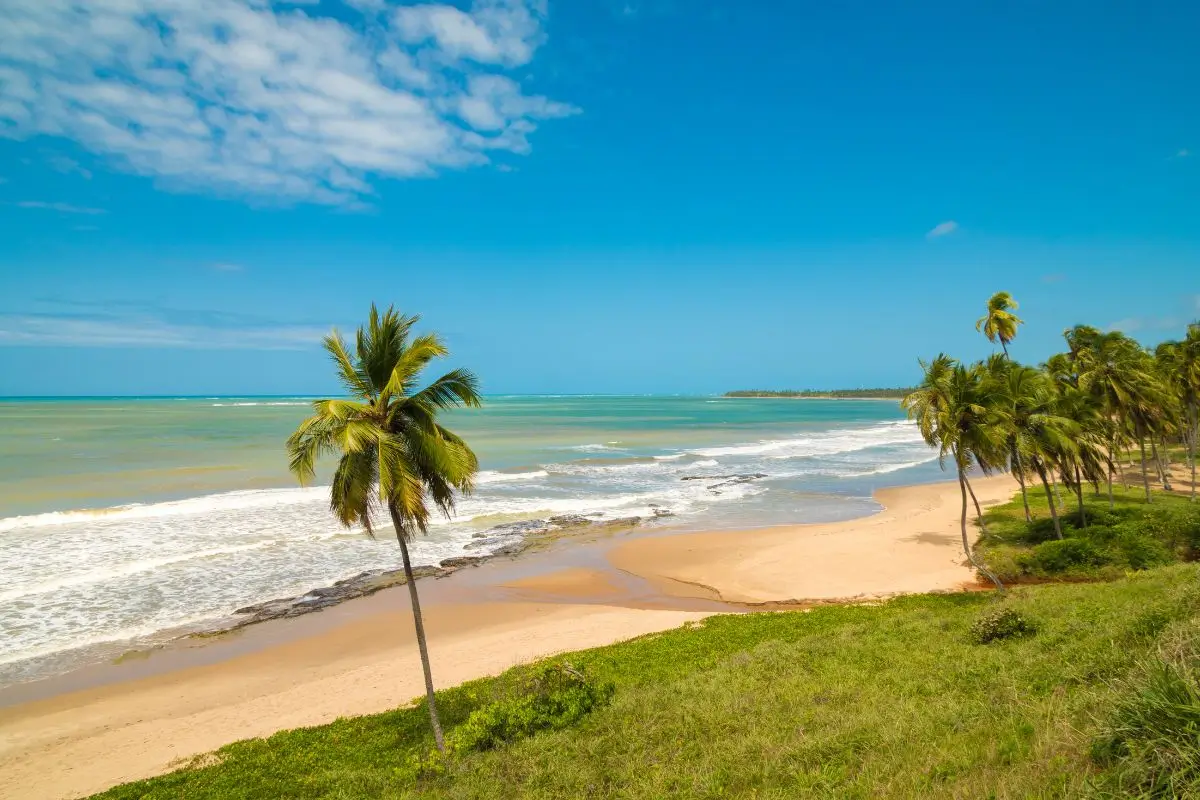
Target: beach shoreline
[[129, 721]]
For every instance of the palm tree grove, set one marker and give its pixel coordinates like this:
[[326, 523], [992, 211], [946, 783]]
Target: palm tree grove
[[1106, 410]]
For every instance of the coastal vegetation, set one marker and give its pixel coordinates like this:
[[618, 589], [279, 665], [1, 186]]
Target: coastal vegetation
[[394, 456], [1081, 690], [824, 394], [1066, 425]]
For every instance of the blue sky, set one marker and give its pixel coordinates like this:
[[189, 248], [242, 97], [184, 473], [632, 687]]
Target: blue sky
[[601, 196]]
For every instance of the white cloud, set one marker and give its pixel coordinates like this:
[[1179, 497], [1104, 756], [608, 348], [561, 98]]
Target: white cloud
[[942, 229], [146, 328], [494, 32], [275, 103], [225, 266], [65, 208], [1183, 153]]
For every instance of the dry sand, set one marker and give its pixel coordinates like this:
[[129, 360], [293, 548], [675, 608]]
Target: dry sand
[[87, 740], [913, 545]]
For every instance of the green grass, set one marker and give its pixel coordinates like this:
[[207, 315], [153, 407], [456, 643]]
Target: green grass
[[1132, 535], [890, 700]]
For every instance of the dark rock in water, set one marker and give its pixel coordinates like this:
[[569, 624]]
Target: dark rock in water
[[735, 480], [522, 528], [463, 561], [623, 522], [572, 520], [663, 512], [277, 603], [739, 478]]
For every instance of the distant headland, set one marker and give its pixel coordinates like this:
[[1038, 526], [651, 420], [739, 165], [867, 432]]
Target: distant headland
[[824, 394]]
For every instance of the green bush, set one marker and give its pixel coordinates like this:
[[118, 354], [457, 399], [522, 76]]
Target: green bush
[[1060, 555], [1004, 623], [1139, 551], [556, 696]]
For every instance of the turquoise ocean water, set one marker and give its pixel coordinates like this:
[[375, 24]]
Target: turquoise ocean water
[[124, 518]]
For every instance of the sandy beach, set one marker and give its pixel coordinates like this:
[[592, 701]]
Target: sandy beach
[[362, 658]]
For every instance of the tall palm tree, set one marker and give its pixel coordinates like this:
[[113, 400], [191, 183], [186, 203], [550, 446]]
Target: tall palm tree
[[1114, 368], [956, 414], [394, 456], [1000, 323], [1025, 390], [1180, 366]]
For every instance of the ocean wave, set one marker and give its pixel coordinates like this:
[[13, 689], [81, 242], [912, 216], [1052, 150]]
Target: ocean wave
[[225, 501], [494, 476], [594, 448], [126, 570], [273, 403], [822, 443]]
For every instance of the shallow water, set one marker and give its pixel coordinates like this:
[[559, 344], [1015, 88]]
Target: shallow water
[[122, 518]]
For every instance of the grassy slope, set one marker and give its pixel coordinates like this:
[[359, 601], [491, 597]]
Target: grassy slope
[[870, 701]]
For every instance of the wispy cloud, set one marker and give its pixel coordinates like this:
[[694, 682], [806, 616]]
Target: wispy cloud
[[1133, 324], [1183, 153], [64, 208], [85, 227], [225, 266], [942, 229], [135, 325], [278, 102], [1054, 277], [68, 166]]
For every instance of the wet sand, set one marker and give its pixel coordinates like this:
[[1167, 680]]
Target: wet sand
[[85, 732]]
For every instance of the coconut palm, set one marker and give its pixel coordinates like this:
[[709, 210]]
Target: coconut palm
[[1179, 364], [1000, 323], [395, 457], [956, 412], [1114, 368], [1025, 390]]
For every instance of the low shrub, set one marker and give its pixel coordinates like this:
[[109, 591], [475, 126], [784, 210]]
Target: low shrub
[[1137, 550], [556, 696], [1004, 623], [1060, 555]]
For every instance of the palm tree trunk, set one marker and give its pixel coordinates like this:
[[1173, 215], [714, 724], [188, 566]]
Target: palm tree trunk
[[978, 510], [1111, 463], [962, 485], [1145, 474], [1004, 346], [1111, 504], [1079, 495], [1021, 480], [420, 626], [1192, 447], [1050, 497], [1163, 478]]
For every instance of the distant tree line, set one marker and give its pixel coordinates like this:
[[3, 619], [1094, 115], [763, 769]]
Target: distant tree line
[[833, 394]]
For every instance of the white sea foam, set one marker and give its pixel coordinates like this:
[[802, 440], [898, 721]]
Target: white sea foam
[[493, 476], [225, 501], [123, 571]]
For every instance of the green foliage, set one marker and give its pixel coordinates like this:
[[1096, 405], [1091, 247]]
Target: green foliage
[[1150, 742], [556, 696], [1001, 624], [1133, 535], [883, 701], [1060, 555]]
